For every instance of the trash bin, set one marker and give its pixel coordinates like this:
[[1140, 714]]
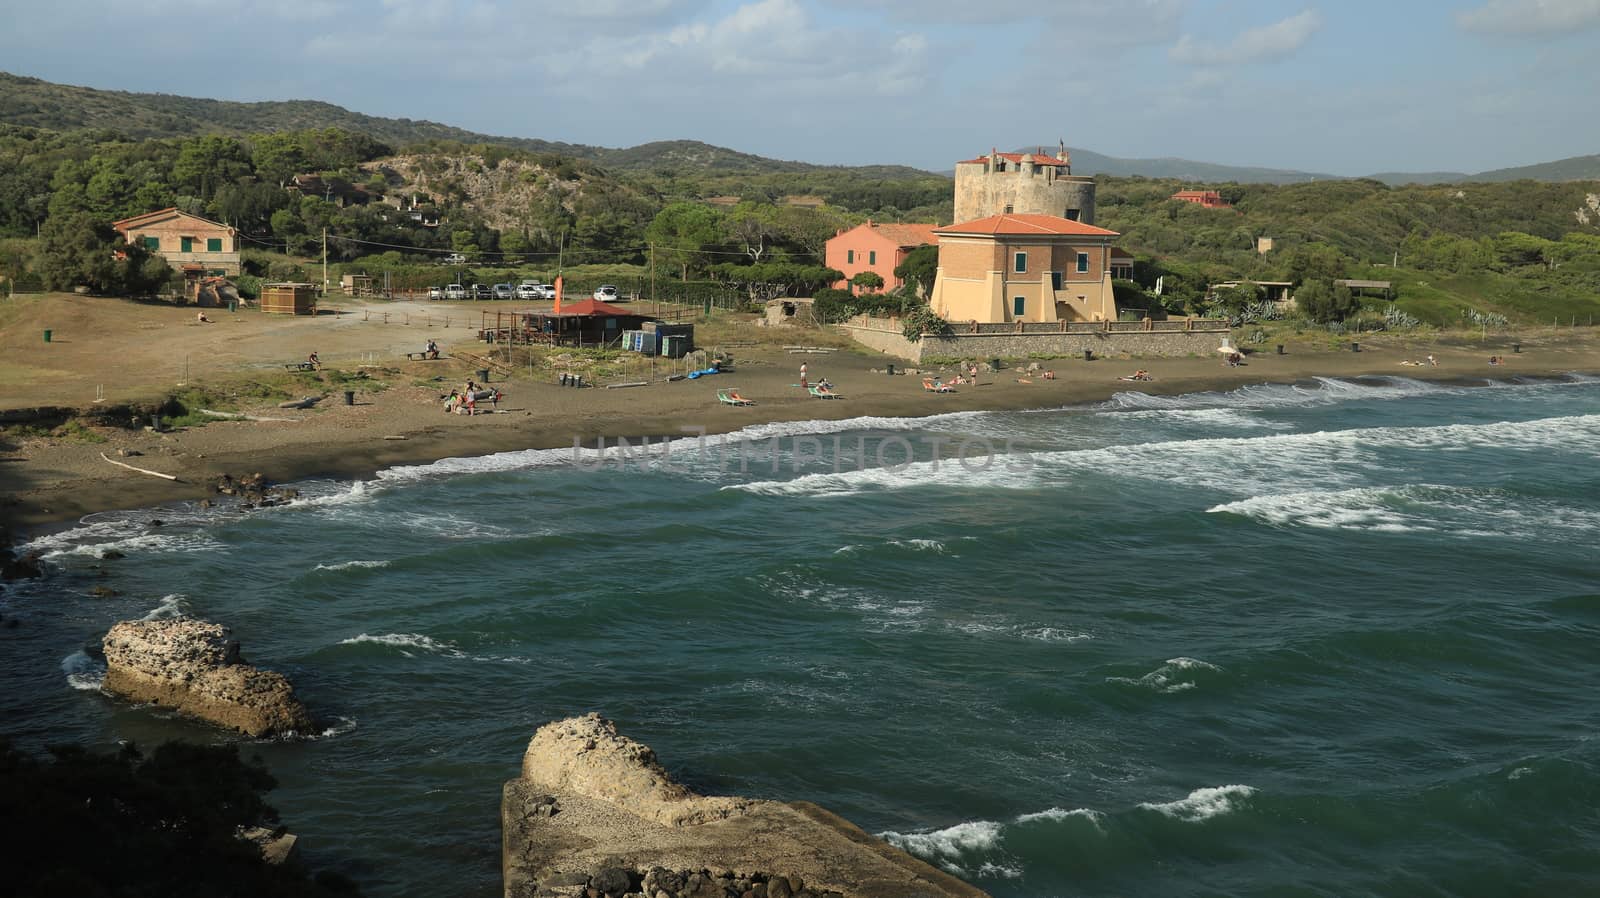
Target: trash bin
[[995, 365], [1355, 347], [483, 375], [1088, 355], [47, 335], [1280, 349], [889, 369], [349, 397], [1515, 347], [233, 306]]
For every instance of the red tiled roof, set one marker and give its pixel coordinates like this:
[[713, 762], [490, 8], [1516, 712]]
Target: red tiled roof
[[596, 307], [171, 211], [1025, 225], [1038, 158], [1118, 252]]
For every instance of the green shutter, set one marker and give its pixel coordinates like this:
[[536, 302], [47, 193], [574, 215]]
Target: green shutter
[[213, 244], [1020, 262], [187, 244], [849, 257], [152, 243], [1055, 280], [1083, 262], [1018, 305], [872, 257]]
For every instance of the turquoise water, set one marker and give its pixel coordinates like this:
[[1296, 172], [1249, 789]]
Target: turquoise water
[[1330, 639]]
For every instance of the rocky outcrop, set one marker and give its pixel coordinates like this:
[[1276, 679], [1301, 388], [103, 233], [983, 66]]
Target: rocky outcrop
[[594, 813], [193, 667], [588, 756]]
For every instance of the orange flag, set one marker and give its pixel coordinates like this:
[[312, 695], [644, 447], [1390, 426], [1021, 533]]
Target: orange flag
[[558, 295]]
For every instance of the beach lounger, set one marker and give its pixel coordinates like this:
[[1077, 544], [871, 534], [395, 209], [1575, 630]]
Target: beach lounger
[[732, 397], [820, 393], [931, 387]]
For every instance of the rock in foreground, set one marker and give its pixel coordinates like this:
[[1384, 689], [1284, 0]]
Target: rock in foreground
[[595, 814], [193, 667]]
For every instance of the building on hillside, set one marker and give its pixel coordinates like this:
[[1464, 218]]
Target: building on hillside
[[1263, 245], [1271, 291], [1016, 268], [1210, 199], [875, 247], [1023, 184], [194, 245], [1121, 264]]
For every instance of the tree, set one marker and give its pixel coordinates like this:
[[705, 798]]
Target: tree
[[206, 163], [920, 268], [77, 250], [751, 224], [1322, 302], [868, 281], [681, 232]]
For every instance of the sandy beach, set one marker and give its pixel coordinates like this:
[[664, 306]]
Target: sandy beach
[[130, 353]]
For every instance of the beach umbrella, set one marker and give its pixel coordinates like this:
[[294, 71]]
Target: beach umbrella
[[1227, 350]]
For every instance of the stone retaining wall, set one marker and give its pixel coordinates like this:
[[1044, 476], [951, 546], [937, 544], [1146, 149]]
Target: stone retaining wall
[[1167, 344]]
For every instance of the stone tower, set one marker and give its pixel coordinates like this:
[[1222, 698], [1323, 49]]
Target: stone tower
[[1024, 184]]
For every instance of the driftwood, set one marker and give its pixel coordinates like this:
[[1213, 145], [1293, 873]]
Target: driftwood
[[307, 402], [637, 383], [236, 416], [140, 470]]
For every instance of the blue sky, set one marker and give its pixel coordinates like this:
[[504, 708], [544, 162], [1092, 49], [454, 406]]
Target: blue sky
[[1349, 87]]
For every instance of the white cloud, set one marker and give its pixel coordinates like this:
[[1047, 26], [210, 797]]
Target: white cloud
[[1261, 44], [1531, 17], [1090, 22]]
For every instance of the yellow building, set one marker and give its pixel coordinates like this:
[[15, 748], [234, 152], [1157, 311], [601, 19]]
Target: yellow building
[[1008, 268]]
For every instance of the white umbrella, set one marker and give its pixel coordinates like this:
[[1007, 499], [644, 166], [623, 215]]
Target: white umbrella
[[1228, 350]]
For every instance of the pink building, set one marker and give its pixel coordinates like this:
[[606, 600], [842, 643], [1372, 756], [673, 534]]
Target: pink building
[[876, 247]]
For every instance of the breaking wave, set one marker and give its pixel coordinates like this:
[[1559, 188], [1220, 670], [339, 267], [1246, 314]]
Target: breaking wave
[[1202, 804]]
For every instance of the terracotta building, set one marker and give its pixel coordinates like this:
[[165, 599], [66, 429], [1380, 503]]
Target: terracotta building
[[1208, 198], [1008, 268], [875, 247], [1023, 184], [191, 244]]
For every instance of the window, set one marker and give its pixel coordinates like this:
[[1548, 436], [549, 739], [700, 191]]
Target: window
[[188, 244], [1083, 263], [213, 244], [1019, 304], [849, 257], [872, 257], [152, 243], [1008, 208], [1020, 263], [1055, 280], [1072, 214]]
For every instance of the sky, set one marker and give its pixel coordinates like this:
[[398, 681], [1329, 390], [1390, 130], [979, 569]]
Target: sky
[[1350, 87]]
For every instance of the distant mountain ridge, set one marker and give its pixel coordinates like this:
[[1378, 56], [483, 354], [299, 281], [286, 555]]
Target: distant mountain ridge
[[34, 102]]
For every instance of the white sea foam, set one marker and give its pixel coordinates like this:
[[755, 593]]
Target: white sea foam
[[83, 672], [948, 847], [1202, 804], [1000, 871], [1323, 391], [348, 565], [921, 545], [1453, 510], [1052, 634], [405, 642], [1169, 677], [1230, 418], [1058, 814], [172, 605]]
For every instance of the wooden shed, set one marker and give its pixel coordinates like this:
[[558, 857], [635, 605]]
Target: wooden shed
[[289, 299]]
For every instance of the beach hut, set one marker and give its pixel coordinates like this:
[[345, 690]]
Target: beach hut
[[289, 299]]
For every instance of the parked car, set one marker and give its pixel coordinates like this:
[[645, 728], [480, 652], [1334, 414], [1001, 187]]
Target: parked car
[[455, 291], [606, 293], [455, 259], [528, 290], [436, 293], [547, 291], [482, 291], [505, 291]]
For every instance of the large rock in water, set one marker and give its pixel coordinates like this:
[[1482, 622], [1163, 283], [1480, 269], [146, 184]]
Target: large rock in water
[[594, 813], [193, 667]]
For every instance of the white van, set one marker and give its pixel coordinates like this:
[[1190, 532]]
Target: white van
[[455, 291]]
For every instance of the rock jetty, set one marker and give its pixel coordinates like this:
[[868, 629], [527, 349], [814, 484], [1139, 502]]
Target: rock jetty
[[595, 814], [194, 667]]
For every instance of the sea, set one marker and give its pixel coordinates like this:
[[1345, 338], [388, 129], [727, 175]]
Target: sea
[[1336, 638]]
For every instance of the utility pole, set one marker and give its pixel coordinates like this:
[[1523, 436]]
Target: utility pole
[[653, 298], [324, 261]]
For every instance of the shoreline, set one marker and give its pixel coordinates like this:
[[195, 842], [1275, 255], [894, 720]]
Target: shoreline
[[71, 500]]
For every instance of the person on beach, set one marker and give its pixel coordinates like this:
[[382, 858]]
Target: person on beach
[[313, 361], [1049, 374], [972, 372], [431, 351], [471, 403], [202, 318], [1433, 361], [803, 384]]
